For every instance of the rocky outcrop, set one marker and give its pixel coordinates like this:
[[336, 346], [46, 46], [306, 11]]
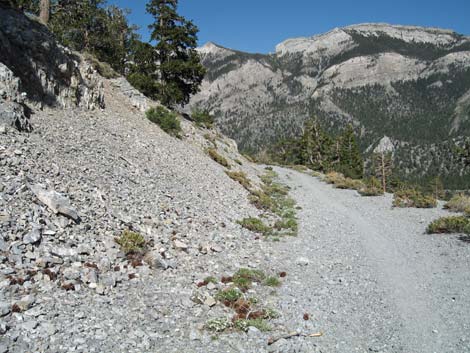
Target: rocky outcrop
[[34, 67], [13, 113]]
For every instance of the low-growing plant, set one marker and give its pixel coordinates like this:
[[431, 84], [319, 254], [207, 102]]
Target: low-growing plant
[[458, 203], [261, 200], [259, 323], [299, 168], [287, 223], [255, 225], [372, 187], [413, 198], [202, 118], [131, 242], [334, 177], [212, 152], [230, 295], [239, 162], [167, 120], [252, 274], [351, 184], [272, 281], [453, 224], [241, 178], [270, 314], [211, 279], [218, 325]]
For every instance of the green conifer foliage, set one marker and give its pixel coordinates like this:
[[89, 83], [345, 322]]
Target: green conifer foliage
[[350, 161], [180, 71]]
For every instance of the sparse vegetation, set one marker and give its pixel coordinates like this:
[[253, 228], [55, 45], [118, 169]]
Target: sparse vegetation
[[249, 310], [458, 203], [254, 275], [255, 225], [167, 120], [212, 152], [202, 118], [454, 224], [241, 178], [211, 279], [218, 325], [131, 242], [230, 295], [272, 281], [372, 188], [342, 182], [273, 197], [259, 323], [413, 198], [103, 68]]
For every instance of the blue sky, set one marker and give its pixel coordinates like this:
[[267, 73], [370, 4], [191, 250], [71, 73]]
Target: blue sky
[[258, 25]]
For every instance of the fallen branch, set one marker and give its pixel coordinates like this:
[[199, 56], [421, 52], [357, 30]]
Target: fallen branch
[[293, 334]]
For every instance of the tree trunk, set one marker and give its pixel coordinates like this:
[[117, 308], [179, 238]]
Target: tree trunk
[[384, 173], [45, 11]]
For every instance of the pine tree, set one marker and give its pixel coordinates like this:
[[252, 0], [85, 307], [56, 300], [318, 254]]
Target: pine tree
[[180, 72], [349, 157], [317, 147]]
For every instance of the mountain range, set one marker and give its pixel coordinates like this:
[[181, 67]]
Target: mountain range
[[405, 85]]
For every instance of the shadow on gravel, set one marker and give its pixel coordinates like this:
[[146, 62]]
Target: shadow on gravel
[[465, 238]]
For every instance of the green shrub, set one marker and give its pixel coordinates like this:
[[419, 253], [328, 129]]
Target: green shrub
[[262, 201], [212, 152], [413, 198], [255, 225], [202, 118], [231, 295], [372, 187], [254, 275], [287, 223], [131, 242], [454, 224], [241, 178], [458, 203], [211, 279], [272, 282], [167, 120], [334, 178]]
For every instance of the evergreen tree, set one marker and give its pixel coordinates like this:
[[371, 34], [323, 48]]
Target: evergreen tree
[[142, 67], [350, 161], [91, 26], [317, 147], [180, 72]]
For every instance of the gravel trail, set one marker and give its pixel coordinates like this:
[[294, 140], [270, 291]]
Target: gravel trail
[[374, 281]]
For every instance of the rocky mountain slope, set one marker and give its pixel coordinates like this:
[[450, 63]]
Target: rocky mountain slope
[[410, 84]]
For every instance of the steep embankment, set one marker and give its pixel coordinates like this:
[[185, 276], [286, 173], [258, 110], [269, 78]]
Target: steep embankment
[[120, 172], [408, 83]]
